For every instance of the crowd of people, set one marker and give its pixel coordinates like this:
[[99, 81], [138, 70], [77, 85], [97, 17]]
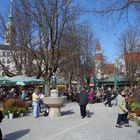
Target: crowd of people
[[83, 96], [24, 93], [122, 100]]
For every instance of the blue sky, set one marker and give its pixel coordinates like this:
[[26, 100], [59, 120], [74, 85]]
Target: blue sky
[[106, 31], [107, 34]]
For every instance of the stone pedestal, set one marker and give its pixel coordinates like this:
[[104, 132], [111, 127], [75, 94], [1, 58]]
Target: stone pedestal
[[54, 112], [55, 103]]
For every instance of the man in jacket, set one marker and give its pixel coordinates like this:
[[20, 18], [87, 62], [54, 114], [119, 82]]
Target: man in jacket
[[82, 99], [108, 96], [122, 110]]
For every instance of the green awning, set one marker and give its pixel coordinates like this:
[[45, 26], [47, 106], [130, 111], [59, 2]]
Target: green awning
[[111, 79], [4, 81], [24, 80]]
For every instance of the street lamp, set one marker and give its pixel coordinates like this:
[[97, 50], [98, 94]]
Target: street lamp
[[94, 81]]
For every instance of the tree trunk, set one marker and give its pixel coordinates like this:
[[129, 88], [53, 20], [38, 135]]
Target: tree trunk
[[47, 87]]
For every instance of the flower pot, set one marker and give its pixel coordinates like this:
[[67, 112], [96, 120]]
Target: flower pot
[[6, 116], [21, 114], [11, 115]]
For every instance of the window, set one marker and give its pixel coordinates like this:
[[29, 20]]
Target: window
[[8, 61], [8, 54], [3, 54], [3, 60]]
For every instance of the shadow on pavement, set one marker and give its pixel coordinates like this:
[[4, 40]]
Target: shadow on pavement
[[16, 135], [91, 113], [139, 131], [68, 112]]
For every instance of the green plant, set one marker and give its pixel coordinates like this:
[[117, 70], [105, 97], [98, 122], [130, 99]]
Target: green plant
[[22, 110], [11, 110], [5, 111], [138, 122], [15, 110]]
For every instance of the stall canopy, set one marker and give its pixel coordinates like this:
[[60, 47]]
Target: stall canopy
[[24, 80], [121, 80], [6, 81]]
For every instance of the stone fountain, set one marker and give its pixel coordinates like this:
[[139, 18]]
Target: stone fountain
[[54, 101]]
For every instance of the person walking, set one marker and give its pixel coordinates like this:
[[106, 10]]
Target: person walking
[[122, 110], [82, 99], [36, 97], [90, 96], [108, 97]]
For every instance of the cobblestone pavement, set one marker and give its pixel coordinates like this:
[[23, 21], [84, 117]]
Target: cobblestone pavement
[[100, 126]]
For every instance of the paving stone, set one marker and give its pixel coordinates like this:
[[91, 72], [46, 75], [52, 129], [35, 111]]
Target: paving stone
[[100, 126]]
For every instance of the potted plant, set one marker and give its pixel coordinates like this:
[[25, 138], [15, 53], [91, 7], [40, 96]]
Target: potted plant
[[11, 113], [6, 113], [15, 111], [21, 111]]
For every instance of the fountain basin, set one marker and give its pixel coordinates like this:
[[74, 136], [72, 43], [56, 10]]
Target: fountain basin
[[55, 103]]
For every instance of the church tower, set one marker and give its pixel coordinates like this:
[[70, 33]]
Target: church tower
[[10, 30], [123, 61], [98, 61]]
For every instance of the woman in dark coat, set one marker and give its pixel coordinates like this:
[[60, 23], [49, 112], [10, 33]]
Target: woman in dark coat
[[82, 99]]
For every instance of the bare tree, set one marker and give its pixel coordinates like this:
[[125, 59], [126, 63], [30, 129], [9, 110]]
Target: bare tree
[[40, 29], [116, 10], [70, 62], [87, 52], [78, 61], [129, 43], [52, 19]]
